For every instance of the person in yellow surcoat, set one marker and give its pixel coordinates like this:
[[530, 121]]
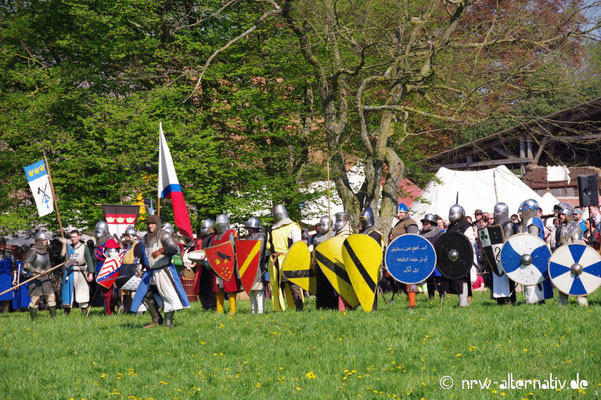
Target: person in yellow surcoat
[[281, 236]]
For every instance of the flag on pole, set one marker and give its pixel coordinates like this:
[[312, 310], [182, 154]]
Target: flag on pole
[[38, 179], [170, 188], [119, 217]]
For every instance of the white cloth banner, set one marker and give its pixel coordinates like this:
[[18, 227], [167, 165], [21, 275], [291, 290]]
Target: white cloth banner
[[559, 173], [39, 182]]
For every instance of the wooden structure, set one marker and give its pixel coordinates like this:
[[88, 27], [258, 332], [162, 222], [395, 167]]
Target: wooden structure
[[570, 138]]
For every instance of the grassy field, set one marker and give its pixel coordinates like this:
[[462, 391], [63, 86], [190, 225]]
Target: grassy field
[[391, 353]]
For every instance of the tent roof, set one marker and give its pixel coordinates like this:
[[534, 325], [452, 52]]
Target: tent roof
[[476, 190]]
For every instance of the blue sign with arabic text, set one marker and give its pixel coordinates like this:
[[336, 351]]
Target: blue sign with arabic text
[[410, 258]]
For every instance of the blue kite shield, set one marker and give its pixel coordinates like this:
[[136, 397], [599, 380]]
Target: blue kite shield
[[410, 259], [575, 269], [6, 280], [21, 298]]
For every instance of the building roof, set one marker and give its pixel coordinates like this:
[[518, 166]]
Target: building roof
[[571, 137]]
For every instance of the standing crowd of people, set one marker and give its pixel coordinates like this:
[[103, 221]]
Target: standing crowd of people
[[149, 261]]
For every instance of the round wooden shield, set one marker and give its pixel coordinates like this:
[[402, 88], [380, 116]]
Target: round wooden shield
[[410, 258], [575, 269], [454, 255], [525, 259]]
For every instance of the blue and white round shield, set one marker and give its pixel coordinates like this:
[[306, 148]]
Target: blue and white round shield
[[575, 269], [410, 258], [525, 259]]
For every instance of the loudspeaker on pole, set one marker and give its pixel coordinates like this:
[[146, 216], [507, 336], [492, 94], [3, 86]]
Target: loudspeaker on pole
[[588, 194]]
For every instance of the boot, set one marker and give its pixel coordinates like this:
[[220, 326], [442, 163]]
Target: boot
[[33, 313], [52, 311], [156, 316], [169, 319], [411, 297], [5, 307], [220, 301], [232, 303], [84, 311], [67, 310], [298, 303]]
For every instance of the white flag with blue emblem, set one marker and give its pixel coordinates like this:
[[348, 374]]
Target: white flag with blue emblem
[[37, 176]]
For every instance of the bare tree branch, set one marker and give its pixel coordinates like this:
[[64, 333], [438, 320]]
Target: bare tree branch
[[267, 14]]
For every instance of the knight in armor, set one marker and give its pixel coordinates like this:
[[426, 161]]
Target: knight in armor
[[431, 231], [503, 288], [367, 221], [325, 295], [7, 273], [37, 261], [232, 286], [204, 274], [342, 224], [458, 223], [102, 235], [568, 231], [75, 288], [159, 247], [533, 224], [405, 224], [131, 265], [257, 290], [281, 236]]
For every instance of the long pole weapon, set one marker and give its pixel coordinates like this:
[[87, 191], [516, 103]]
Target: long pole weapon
[[329, 207], [31, 279]]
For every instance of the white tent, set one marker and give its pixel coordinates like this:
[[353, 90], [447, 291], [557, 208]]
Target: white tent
[[548, 202], [476, 190], [313, 210]]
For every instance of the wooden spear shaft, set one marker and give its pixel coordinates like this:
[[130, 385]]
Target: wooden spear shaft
[[31, 279]]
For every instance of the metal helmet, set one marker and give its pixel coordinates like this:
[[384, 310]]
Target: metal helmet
[[207, 227], [222, 223], [529, 209], [367, 218], [304, 234], [131, 231], [567, 211], [456, 212], [500, 213], [279, 213], [101, 229], [325, 223], [341, 219], [431, 218], [168, 227], [39, 235], [253, 222]]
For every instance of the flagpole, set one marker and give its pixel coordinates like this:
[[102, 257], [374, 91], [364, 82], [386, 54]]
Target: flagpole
[[54, 199], [159, 207], [329, 209]]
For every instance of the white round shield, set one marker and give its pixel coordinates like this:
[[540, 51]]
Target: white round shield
[[525, 259], [575, 269]]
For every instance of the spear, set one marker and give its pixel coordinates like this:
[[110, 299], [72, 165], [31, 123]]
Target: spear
[[35, 277]]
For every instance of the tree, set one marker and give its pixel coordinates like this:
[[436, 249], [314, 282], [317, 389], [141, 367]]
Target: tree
[[384, 69]]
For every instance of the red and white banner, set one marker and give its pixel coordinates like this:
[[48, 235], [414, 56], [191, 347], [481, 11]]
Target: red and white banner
[[119, 217], [170, 188]]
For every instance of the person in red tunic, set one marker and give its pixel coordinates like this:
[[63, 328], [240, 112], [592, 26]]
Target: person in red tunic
[[233, 285]]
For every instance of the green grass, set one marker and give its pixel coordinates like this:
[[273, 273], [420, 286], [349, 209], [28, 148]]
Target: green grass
[[391, 353]]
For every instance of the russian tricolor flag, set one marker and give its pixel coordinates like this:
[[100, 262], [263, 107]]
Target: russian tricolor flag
[[169, 187]]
